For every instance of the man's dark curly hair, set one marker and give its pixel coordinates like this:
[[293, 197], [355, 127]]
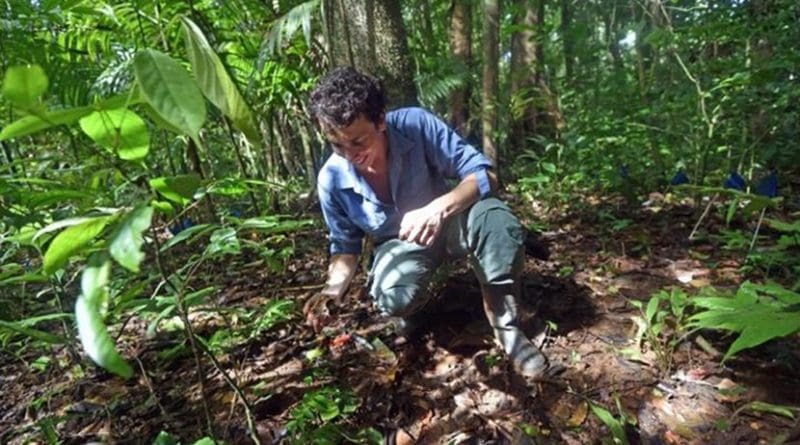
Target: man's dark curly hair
[[345, 93]]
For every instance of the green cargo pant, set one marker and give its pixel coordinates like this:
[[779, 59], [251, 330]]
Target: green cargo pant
[[491, 237], [488, 234]]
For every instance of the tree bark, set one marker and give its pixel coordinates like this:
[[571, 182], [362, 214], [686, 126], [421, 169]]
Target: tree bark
[[491, 58], [461, 47], [567, 40], [369, 34], [523, 74]]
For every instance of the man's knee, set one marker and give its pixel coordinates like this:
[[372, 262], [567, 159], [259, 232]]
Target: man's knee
[[398, 300]]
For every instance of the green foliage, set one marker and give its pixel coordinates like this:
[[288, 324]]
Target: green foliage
[[615, 424], [216, 84], [164, 438], [73, 240], [321, 416], [286, 26], [88, 317], [120, 131], [23, 85], [126, 244], [169, 89], [179, 189], [661, 326], [757, 312]]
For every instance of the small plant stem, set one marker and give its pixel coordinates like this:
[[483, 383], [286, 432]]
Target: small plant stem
[[187, 326], [703, 216], [248, 410], [58, 290], [755, 234], [240, 162], [152, 391]]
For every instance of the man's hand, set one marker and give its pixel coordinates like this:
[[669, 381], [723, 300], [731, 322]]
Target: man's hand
[[340, 272], [423, 225], [316, 310]]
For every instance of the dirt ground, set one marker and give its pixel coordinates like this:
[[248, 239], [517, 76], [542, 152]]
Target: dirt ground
[[450, 384]]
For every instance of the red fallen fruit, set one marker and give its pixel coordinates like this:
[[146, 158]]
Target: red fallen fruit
[[341, 340]]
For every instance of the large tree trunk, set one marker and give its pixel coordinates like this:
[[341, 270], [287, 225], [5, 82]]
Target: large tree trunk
[[491, 58], [461, 47], [369, 35], [567, 40], [523, 75]]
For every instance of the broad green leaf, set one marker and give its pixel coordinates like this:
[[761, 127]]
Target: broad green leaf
[[216, 84], [170, 90], [616, 427], [223, 241], [35, 199], [95, 339], [33, 124], [91, 329], [178, 189], [23, 85], [71, 241], [765, 329], [185, 234], [127, 242], [163, 207], [205, 441], [652, 307], [33, 333], [120, 131], [58, 225]]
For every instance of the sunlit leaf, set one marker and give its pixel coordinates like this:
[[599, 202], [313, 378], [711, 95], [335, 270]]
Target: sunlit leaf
[[23, 85], [179, 189], [170, 90], [121, 131], [91, 329], [216, 84], [127, 242], [71, 241], [33, 124]]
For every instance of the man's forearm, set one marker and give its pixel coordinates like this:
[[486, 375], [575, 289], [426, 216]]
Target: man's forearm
[[341, 269], [464, 195]]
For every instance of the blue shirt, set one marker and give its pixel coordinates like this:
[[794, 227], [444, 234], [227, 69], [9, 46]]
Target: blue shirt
[[424, 155]]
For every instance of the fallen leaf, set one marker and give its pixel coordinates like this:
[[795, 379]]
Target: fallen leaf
[[579, 415]]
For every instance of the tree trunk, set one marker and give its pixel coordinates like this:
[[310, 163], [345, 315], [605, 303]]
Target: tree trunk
[[369, 35], [567, 41], [461, 48], [491, 58], [523, 75]]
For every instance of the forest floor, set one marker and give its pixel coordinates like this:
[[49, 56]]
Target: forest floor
[[452, 384]]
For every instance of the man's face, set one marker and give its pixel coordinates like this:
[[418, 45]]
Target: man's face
[[361, 142]]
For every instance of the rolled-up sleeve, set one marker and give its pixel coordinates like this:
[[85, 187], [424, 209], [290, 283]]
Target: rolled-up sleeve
[[452, 155], [344, 236]]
